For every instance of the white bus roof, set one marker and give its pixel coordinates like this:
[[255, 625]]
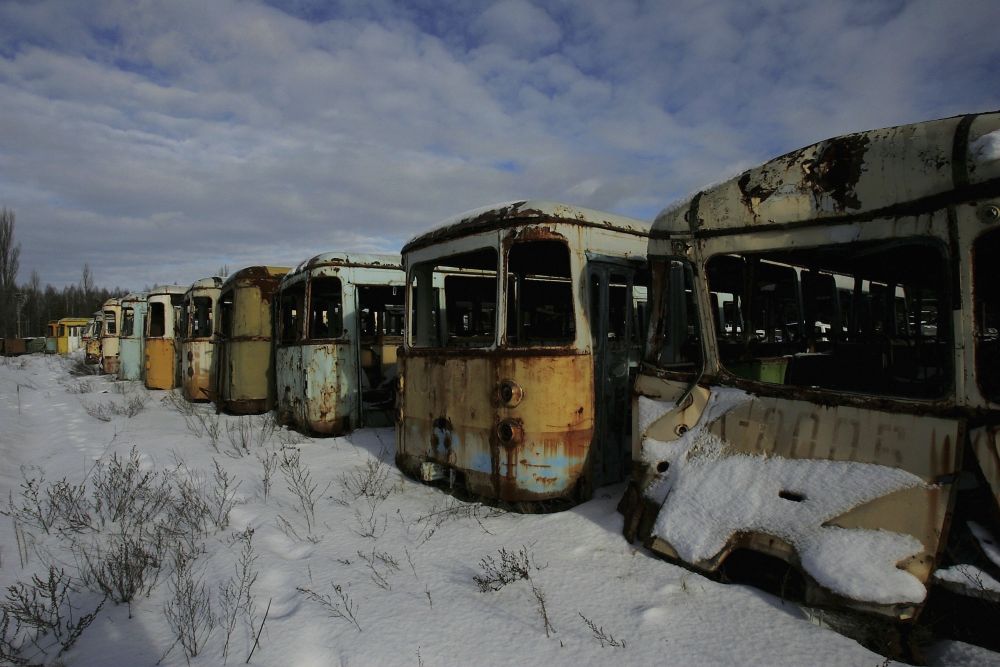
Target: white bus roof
[[521, 212], [884, 173]]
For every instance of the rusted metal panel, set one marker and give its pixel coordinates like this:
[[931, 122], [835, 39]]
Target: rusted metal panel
[[925, 185], [879, 174], [13, 347], [92, 349], [244, 372], [453, 413]]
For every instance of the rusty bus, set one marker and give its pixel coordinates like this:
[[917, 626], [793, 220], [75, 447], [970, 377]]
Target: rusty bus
[[162, 346], [68, 334], [131, 362], [92, 348], [523, 335], [197, 337], [109, 335], [243, 362], [821, 383], [339, 323]]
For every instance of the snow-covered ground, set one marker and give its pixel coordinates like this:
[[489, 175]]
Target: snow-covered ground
[[381, 571]]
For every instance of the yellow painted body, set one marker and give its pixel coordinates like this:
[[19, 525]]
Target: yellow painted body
[[243, 360], [453, 410], [69, 334], [161, 363]]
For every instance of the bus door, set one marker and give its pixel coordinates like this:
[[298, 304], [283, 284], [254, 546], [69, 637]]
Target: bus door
[[617, 347]]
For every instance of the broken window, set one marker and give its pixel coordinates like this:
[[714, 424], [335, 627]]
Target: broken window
[[226, 314], [470, 295], [859, 317], [128, 322], [675, 336], [380, 310], [291, 313], [109, 326], [326, 308], [985, 259], [200, 317], [540, 294], [156, 317]]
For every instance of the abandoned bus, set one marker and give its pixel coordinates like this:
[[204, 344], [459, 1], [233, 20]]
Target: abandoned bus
[[340, 321], [162, 337], [197, 342], [69, 333], [523, 335], [109, 336], [243, 361], [51, 334], [92, 349], [130, 345], [821, 382]]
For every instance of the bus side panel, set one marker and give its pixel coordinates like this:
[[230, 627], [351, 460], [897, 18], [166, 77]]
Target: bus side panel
[[289, 390]]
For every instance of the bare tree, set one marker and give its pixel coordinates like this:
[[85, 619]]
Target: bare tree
[[10, 256], [87, 285]]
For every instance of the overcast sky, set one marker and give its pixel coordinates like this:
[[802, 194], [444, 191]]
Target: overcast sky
[[158, 141]]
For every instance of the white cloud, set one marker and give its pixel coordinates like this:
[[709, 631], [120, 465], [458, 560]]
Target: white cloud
[[179, 136]]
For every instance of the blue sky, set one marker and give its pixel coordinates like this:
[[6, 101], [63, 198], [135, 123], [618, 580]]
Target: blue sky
[[158, 141]]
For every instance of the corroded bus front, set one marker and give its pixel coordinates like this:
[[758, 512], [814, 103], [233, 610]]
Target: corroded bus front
[[109, 336], [511, 311], [243, 360], [92, 348], [338, 326], [162, 341], [821, 379], [198, 342], [532, 447]]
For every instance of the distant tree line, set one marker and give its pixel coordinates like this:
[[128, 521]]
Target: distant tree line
[[39, 305]]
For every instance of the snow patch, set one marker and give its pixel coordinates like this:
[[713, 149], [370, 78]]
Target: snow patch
[[969, 580], [986, 148], [707, 497], [650, 410]]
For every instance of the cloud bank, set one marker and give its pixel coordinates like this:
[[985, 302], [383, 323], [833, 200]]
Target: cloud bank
[[159, 141]]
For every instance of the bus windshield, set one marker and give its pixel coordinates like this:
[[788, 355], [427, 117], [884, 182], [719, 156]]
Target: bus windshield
[[869, 318]]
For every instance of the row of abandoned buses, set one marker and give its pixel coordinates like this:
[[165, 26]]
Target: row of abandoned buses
[[802, 362]]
